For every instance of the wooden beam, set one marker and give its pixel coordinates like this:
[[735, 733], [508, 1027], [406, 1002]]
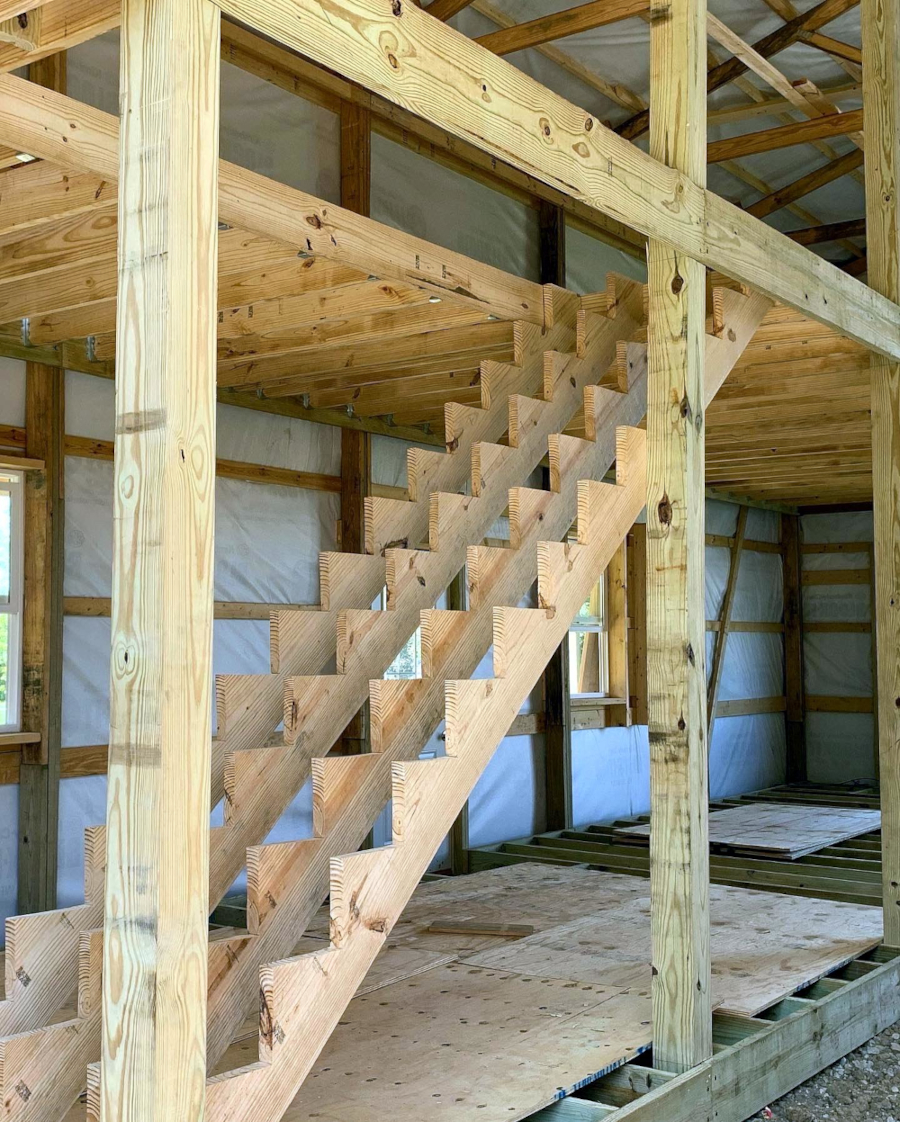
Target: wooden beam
[[834, 47], [356, 158], [795, 729], [23, 30], [63, 24], [459, 831], [545, 29], [155, 943], [637, 623], [535, 129], [715, 677], [806, 184], [722, 73], [447, 9], [785, 136], [76, 136], [42, 640], [617, 601], [676, 615], [557, 692], [881, 97], [830, 232], [42, 632]]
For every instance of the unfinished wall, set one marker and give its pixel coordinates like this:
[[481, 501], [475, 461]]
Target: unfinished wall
[[611, 767], [840, 746]]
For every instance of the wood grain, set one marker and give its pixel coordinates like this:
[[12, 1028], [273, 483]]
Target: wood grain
[[676, 614], [881, 93], [156, 927]]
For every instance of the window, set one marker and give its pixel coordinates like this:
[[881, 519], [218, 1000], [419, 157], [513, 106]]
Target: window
[[589, 646], [408, 663], [11, 533]]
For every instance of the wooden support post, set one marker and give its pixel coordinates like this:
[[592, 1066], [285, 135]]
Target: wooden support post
[[873, 662], [617, 608], [676, 617], [43, 610], [356, 453], [42, 638], [795, 728], [637, 623], [156, 938], [356, 448], [881, 97], [459, 832], [721, 641], [557, 702], [356, 158]]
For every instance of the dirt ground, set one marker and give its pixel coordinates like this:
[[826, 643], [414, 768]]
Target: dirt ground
[[862, 1087]]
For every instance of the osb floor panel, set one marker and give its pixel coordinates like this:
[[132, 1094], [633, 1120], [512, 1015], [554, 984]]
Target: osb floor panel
[[512, 1024], [780, 831]]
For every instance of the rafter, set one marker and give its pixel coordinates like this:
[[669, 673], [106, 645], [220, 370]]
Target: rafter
[[769, 45], [544, 29], [806, 184], [785, 136]]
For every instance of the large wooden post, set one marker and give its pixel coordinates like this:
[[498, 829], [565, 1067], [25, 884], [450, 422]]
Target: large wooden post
[[794, 725], [156, 925], [676, 617], [557, 699], [43, 609], [881, 99]]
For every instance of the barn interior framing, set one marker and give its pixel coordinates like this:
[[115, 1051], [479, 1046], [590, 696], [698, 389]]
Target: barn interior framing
[[233, 971]]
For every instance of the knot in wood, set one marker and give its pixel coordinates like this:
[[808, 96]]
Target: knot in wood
[[396, 7], [677, 283], [664, 511]]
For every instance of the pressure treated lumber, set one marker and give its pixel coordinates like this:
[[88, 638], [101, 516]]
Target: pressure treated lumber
[[303, 643], [156, 913], [544, 29], [63, 24], [778, 40], [881, 93], [539, 132], [79, 137], [42, 639], [676, 615], [795, 733], [725, 624], [785, 136], [474, 703], [806, 184]]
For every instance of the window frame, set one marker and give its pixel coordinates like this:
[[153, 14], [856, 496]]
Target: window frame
[[593, 625], [13, 481]]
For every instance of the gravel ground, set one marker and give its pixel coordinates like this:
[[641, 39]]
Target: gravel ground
[[862, 1087]]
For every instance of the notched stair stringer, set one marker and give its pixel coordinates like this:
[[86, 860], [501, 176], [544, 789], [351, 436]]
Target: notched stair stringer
[[720, 364], [252, 765]]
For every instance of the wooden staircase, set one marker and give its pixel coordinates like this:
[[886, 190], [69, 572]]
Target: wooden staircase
[[41, 1074]]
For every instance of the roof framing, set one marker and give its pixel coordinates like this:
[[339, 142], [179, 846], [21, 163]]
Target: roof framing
[[431, 70]]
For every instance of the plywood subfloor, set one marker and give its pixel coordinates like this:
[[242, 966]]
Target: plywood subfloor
[[510, 1025], [786, 832], [763, 946]]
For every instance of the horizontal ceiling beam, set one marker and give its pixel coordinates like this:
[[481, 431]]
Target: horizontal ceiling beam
[[785, 136], [433, 71], [830, 232], [74, 135]]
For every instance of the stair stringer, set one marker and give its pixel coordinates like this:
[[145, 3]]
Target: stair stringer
[[270, 1085], [306, 995], [246, 711]]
